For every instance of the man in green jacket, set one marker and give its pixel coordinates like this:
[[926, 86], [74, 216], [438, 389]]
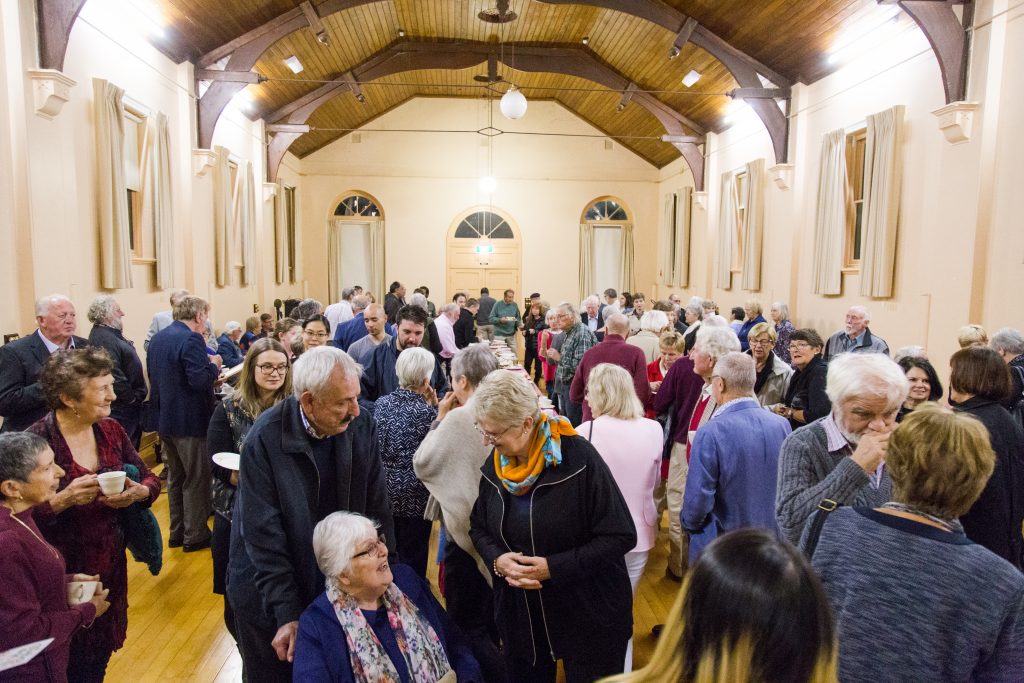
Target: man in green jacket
[[506, 319]]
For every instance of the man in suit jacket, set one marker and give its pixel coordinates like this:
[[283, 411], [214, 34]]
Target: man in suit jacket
[[129, 381], [593, 317], [21, 395], [182, 377], [227, 345]]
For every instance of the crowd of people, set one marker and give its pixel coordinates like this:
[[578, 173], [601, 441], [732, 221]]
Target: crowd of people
[[833, 513]]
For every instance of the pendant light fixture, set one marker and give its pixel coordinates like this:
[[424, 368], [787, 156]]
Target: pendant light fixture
[[513, 104]]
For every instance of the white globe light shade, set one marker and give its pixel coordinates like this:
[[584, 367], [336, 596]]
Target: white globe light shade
[[513, 104], [488, 184]]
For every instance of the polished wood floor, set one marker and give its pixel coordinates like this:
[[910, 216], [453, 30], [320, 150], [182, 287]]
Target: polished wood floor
[[176, 627]]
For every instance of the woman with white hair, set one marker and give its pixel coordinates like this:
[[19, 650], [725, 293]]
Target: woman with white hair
[[403, 419], [652, 323], [553, 528], [1009, 344], [631, 446], [693, 314], [376, 621], [783, 328]]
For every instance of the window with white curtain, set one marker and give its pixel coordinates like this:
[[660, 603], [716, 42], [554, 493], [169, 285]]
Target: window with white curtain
[[607, 257], [352, 257], [134, 145], [607, 218]]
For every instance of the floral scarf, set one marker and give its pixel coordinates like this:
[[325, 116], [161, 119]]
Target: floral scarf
[[424, 655], [545, 451]]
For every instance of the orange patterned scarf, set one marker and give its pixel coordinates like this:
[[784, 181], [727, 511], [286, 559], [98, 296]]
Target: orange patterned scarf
[[545, 450]]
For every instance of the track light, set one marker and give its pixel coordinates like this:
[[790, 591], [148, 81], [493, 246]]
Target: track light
[[586, 40], [323, 38], [621, 107], [360, 98], [673, 52], [401, 33]]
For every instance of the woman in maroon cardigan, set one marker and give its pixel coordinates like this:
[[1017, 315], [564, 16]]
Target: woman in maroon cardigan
[[33, 598], [81, 522]]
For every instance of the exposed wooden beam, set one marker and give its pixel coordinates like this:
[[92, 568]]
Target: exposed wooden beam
[[627, 95], [753, 93], [949, 39], [299, 128], [248, 77], [313, 19], [683, 139], [683, 37], [54, 19]]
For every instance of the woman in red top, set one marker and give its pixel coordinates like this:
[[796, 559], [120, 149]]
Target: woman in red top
[[671, 344], [547, 336], [81, 522]]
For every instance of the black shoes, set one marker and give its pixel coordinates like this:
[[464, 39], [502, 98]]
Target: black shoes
[[193, 547]]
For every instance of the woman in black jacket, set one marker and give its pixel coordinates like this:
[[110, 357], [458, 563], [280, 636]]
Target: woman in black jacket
[[533, 324], [979, 382], [553, 527], [805, 399]]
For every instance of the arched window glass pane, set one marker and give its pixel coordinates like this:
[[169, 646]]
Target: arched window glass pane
[[606, 210], [484, 224], [356, 205]]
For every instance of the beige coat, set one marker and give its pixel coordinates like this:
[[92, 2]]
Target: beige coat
[[775, 386]]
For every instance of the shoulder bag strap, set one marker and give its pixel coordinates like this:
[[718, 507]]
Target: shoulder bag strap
[[814, 532]]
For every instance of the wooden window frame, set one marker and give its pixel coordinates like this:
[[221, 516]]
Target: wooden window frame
[[853, 243], [288, 197], [138, 118], [740, 204]]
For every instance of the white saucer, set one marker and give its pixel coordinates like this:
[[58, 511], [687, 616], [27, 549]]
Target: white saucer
[[227, 460]]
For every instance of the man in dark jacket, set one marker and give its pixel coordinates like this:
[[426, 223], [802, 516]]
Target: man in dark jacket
[[129, 381], [310, 455], [463, 328], [379, 375], [182, 376], [484, 328], [21, 395], [394, 300], [227, 345]]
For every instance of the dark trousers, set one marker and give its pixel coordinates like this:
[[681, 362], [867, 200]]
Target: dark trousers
[[259, 661], [470, 603], [582, 668], [412, 539], [188, 488], [533, 360], [567, 407], [88, 667], [129, 417], [220, 544]]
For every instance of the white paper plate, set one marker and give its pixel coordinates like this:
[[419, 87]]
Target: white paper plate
[[227, 460]]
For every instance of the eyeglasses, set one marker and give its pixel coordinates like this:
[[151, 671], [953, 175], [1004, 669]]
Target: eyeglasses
[[761, 342], [489, 437], [318, 335], [382, 542], [268, 369], [799, 346]]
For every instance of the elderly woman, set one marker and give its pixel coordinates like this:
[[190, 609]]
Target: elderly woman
[[34, 600], [631, 446], [316, 331], [924, 384], [978, 383], [81, 522], [652, 323], [403, 419], [376, 621], [554, 529], [693, 314], [751, 604], [972, 335], [752, 309], [783, 328], [842, 456], [263, 382], [448, 464], [950, 610], [1009, 344], [805, 399], [773, 374]]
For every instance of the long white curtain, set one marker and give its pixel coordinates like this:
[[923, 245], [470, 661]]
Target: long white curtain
[[753, 226], [245, 221], [883, 175], [157, 196], [726, 231], [830, 218], [282, 263], [335, 228], [586, 281], [112, 192], [628, 268], [681, 255], [377, 259], [222, 216], [668, 219]]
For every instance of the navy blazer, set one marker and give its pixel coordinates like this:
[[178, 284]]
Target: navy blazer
[[181, 379], [229, 351], [380, 377], [21, 395]]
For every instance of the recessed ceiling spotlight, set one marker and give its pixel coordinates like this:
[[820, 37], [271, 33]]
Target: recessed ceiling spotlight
[[294, 64], [691, 78], [360, 98], [586, 40], [621, 107], [673, 52]]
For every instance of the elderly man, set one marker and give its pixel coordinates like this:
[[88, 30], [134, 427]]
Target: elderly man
[[506, 318], [616, 351], [375, 321], [394, 300], [306, 309], [734, 461], [577, 339], [1009, 344], [182, 377], [593, 317], [21, 396], [379, 375], [484, 328], [129, 380], [310, 455], [341, 311], [164, 319], [855, 337], [841, 457], [227, 344]]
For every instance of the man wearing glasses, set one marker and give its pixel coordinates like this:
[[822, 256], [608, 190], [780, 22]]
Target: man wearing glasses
[[379, 374], [578, 338]]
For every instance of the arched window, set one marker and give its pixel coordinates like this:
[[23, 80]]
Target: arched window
[[606, 210], [355, 246], [357, 205], [484, 225], [606, 247]]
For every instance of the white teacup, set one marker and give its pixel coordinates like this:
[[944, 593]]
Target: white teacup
[[81, 591], [111, 483]]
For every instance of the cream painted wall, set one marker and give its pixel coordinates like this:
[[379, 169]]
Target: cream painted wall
[[425, 180]]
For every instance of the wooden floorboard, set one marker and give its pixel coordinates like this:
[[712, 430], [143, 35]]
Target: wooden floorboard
[[176, 627]]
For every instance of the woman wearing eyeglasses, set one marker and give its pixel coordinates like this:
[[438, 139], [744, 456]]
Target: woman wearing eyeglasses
[[805, 399], [315, 332], [263, 382], [773, 374], [376, 621], [554, 529]]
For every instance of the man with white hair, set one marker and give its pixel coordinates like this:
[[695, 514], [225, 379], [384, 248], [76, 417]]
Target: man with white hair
[[734, 461], [312, 454], [227, 344], [855, 337], [593, 317], [577, 339], [105, 314], [341, 311], [841, 457], [445, 326], [21, 395]]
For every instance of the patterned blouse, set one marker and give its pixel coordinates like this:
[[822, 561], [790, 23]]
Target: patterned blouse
[[403, 419], [784, 329]]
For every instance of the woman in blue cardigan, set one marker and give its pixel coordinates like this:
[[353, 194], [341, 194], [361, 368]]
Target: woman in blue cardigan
[[375, 622]]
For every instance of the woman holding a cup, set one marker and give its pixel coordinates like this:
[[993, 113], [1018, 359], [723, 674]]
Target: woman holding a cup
[[37, 600], [82, 518]]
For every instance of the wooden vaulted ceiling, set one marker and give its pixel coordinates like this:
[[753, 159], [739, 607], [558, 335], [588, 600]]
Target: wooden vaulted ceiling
[[790, 37]]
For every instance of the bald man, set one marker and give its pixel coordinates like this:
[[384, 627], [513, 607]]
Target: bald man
[[855, 337], [375, 320], [612, 349]]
